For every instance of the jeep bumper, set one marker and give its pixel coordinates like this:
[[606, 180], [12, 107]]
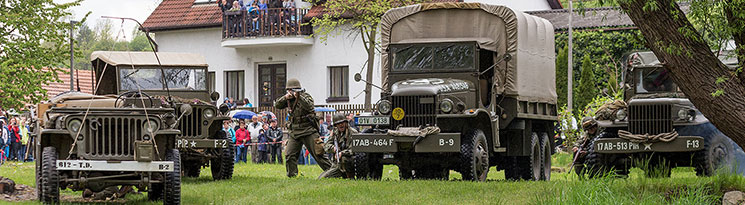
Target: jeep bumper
[[619, 145], [99, 165], [384, 143]]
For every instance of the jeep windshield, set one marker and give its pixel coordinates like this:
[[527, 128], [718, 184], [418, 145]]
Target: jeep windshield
[[433, 57], [150, 78], [654, 80]]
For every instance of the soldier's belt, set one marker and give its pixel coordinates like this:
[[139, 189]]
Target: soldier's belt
[[619, 145]]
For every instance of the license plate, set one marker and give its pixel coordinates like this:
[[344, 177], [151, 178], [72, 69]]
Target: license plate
[[91, 165], [201, 143], [373, 120], [680, 144], [373, 143]]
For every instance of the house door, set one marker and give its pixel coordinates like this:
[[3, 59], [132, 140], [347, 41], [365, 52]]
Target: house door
[[272, 78]]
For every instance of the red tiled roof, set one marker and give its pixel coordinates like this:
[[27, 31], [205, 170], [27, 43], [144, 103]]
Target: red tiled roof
[[86, 82], [183, 14], [318, 10]]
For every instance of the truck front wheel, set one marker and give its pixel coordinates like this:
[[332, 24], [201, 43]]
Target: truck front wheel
[[717, 153], [474, 154]]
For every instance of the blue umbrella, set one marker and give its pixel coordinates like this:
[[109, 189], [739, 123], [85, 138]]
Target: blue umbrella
[[325, 109], [244, 114]]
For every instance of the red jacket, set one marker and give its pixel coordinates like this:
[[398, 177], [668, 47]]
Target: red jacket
[[15, 133], [242, 134]]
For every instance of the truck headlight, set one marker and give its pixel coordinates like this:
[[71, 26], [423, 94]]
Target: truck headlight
[[209, 113], [150, 126], [446, 105], [384, 107], [74, 125], [685, 114], [621, 114]]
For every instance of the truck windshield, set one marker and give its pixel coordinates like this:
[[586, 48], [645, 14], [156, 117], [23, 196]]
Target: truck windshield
[[150, 78], [433, 57], [654, 80]]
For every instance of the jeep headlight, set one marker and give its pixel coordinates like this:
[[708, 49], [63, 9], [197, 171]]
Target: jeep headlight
[[446, 105], [74, 125], [150, 126], [384, 107], [209, 113], [621, 114], [685, 114]]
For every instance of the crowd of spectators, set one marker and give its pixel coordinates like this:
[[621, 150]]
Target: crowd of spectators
[[263, 138], [15, 136], [261, 16]]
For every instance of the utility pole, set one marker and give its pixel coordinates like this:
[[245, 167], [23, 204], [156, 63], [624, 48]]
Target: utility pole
[[72, 56], [570, 68]]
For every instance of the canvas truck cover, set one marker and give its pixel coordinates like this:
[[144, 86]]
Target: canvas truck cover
[[529, 75], [117, 58]]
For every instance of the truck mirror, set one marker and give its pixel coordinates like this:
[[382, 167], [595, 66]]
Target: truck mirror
[[357, 77]]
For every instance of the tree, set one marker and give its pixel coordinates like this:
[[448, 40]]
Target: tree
[[561, 76], [362, 17], [33, 44], [587, 89], [716, 90]]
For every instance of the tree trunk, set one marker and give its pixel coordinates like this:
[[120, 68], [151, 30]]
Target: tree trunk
[[736, 22], [370, 66], [693, 66]]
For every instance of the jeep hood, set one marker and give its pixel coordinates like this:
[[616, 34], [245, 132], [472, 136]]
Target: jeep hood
[[430, 86]]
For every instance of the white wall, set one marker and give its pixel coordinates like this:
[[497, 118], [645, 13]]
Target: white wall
[[520, 5], [307, 63]]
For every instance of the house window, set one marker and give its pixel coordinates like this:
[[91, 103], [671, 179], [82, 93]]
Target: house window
[[234, 84], [338, 84], [211, 81]]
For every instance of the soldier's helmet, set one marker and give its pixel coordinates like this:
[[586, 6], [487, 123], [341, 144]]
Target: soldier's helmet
[[293, 83], [339, 118], [588, 122]]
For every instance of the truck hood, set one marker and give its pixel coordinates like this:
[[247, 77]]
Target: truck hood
[[430, 86]]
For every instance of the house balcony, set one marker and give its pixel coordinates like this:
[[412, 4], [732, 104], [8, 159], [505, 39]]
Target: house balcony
[[261, 28]]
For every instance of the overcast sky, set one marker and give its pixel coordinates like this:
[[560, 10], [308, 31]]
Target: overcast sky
[[137, 9]]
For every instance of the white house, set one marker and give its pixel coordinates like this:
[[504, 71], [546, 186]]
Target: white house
[[255, 63]]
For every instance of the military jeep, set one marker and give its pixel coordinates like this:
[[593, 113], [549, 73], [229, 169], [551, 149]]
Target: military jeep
[[91, 142], [202, 141], [466, 86], [656, 129]]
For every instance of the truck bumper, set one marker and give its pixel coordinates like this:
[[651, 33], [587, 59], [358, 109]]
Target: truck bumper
[[383, 143], [621, 146], [98, 165], [202, 143]]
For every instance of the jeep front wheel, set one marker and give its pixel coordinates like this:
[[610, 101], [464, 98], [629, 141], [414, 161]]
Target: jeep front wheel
[[49, 176], [222, 166], [474, 156], [172, 185]]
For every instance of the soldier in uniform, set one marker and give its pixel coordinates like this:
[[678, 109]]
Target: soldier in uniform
[[338, 145], [303, 126], [590, 126]]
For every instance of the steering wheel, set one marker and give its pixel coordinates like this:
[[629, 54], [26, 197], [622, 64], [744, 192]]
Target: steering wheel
[[133, 94]]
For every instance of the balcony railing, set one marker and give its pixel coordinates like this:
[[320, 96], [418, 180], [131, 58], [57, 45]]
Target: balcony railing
[[265, 23]]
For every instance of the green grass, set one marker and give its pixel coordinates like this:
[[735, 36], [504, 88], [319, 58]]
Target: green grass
[[267, 184]]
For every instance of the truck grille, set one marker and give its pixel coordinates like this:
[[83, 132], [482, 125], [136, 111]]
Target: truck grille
[[112, 137], [650, 119], [418, 110], [191, 125]]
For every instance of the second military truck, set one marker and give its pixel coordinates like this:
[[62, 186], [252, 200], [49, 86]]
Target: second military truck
[[466, 86], [202, 141]]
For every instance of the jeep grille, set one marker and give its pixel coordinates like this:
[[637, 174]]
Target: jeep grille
[[112, 138], [191, 125], [650, 119], [418, 110]]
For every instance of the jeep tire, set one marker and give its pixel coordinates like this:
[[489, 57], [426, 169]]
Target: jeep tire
[[172, 182], [222, 166], [474, 155], [49, 177]]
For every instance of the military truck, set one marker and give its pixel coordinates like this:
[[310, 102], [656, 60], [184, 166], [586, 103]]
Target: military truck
[[93, 142], [202, 141], [656, 128], [466, 86]]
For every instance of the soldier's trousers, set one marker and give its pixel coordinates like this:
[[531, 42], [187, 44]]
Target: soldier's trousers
[[340, 170], [293, 150]]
